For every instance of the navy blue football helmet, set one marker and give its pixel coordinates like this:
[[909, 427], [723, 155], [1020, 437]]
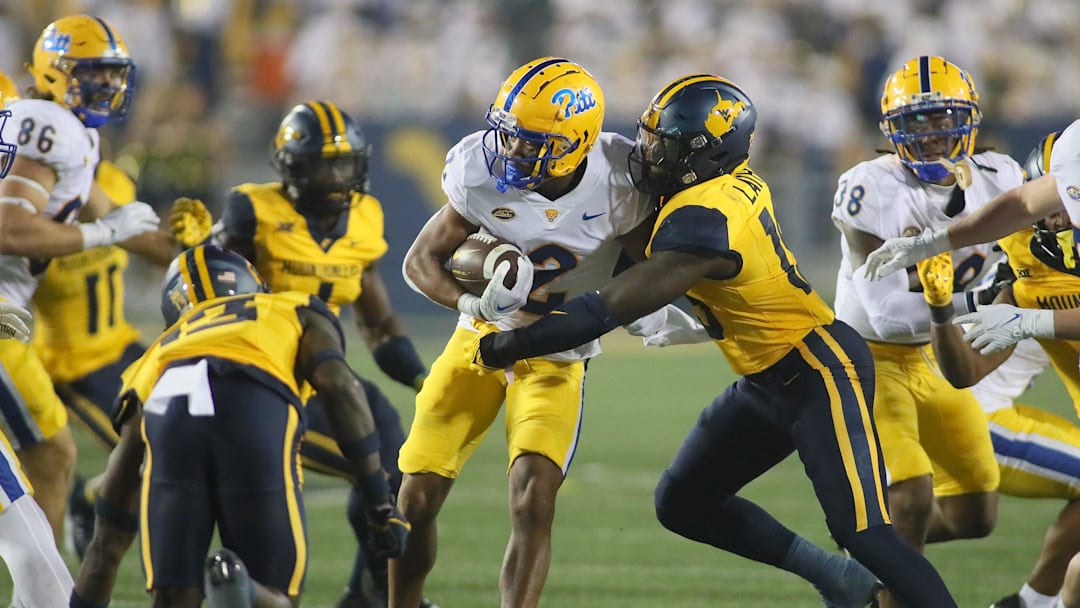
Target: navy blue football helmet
[[696, 128], [205, 272], [322, 157]]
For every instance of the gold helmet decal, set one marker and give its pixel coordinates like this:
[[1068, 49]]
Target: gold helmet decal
[[723, 115]]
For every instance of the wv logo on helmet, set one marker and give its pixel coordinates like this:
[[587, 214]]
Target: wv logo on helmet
[[574, 102], [723, 115]]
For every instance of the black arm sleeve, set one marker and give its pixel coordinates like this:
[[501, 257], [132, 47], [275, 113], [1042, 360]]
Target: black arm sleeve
[[577, 322]]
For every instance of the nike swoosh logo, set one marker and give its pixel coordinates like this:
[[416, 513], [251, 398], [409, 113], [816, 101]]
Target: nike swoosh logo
[[504, 308], [1014, 317], [586, 217]]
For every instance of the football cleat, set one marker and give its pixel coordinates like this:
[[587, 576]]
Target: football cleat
[[1009, 601], [226, 582]]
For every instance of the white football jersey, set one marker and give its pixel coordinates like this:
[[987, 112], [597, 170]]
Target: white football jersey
[[883, 198], [49, 133], [1065, 167], [1001, 387], [572, 241]]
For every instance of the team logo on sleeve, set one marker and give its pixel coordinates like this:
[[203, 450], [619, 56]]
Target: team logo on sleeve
[[502, 213], [1073, 192]]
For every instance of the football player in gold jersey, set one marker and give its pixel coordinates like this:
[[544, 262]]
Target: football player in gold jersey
[[1037, 451], [319, 231], [808, 379], [232, 354]]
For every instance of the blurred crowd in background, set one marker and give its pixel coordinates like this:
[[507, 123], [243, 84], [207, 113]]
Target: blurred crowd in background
[[215, 76]]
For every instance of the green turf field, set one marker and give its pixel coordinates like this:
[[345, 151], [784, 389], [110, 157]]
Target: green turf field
[[609, 552]]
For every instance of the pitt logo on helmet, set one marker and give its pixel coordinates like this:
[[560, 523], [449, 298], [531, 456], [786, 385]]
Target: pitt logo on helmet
[[545, 120]]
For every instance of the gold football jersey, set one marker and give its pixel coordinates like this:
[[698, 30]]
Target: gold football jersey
[[292, 257], [79, 302], [258, 332], [759, 314], [1039, 285]]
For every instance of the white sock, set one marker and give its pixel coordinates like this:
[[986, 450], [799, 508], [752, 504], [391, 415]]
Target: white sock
[[1034, 599]]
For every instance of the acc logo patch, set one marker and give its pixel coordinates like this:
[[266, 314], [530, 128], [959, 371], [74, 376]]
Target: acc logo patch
[[502, 213], [1073, 192], [911, 231], [723, 114]]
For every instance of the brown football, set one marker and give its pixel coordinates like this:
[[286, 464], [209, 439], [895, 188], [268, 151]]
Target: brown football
[[475, 260]]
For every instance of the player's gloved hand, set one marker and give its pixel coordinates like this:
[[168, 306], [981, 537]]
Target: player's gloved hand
[[936, 276], [14, 321], [498, 301], [190, 221], [389, 530], [667, 327], [899, 253], [998, 326], [472, 347], [120, 224]]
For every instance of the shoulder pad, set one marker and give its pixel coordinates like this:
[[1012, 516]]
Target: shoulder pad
[[57, 137]]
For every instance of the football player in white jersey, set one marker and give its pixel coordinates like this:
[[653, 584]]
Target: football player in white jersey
[[38, 574], [50, 207], [942, 473], [1038, 452], [544, 177], [999, 325]]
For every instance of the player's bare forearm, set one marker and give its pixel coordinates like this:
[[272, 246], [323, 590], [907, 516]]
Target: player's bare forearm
[[635, 241], [115, 527], [27, 234], [1007, 213], [1067, 324], [424, 263], [663, 278], [375, 318], [157, 246], [961, 365]]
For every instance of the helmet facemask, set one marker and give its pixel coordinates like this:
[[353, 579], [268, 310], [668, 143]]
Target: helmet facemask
[[99, 90], [924, 136], [7, 150], [1055, 237], [518, 157], [324, 185], [657, 164]]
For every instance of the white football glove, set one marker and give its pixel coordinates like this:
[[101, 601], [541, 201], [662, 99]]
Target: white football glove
[[497, 301], [667, 327], [899, 253], [120, 224], [14, 322], [998, 326]]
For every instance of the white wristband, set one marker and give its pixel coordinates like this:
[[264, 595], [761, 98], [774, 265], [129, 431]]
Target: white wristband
[[940, 242], [469, 304], [1042, 324], [95, 234]]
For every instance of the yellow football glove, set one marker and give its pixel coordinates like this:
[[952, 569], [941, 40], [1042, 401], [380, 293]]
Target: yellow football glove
[[936, 276], [472, 347], [190, 221]]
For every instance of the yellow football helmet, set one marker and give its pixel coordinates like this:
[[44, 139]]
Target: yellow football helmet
[[85, 66], [8, 91], [930, 113], [545, 120]]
